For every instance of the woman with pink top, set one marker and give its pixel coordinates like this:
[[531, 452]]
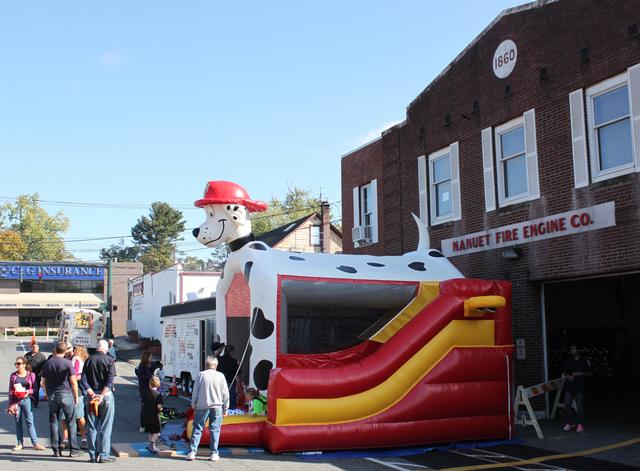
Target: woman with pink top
[[21, 387], [80, 355]]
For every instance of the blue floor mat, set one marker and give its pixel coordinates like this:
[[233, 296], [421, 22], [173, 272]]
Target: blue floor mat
[[319, 455]]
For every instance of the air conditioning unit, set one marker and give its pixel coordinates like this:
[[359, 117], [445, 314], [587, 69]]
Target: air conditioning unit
[[361, 235]]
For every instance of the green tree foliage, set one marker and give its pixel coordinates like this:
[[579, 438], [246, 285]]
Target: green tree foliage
[[296, 204], [155, 236], [120, 252], [192, 263], [12, 247], [40, 231]]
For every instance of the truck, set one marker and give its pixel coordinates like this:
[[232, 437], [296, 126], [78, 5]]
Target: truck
[[81, 327], [188, 331]]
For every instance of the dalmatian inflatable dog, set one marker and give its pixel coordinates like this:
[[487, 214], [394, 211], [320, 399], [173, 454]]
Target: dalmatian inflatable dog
[[227, 207]]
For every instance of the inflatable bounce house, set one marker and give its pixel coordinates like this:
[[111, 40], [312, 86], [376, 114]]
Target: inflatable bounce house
[[360, 351]]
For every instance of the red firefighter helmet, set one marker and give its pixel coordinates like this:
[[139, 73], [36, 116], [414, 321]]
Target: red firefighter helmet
[[223, 192]]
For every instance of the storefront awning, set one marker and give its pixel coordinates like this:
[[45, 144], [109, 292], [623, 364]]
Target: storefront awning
[[49, 300]]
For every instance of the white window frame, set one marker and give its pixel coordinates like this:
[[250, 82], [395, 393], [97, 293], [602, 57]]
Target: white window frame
[[358, 214], [591, 93], [311, 230], [527, 122], [440, 154], [364, 188]]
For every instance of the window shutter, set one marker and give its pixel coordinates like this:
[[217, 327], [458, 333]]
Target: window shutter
[[634, 95], [578, 139], [374, 211], [487, 161], [455, 181], [423, 199], [356, 210], [531, 150]]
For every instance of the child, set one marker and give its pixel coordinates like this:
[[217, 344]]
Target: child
[[159, 372], [258, 401], [151, 408]]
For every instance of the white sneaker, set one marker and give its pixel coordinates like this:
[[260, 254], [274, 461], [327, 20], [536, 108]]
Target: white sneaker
[[141, 430], [214, 457], [191, 456]]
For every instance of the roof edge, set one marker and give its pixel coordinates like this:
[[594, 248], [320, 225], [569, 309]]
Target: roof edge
[[502, 14]]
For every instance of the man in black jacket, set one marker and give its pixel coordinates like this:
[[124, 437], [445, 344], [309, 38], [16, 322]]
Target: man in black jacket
[[36, 360], [228, 366], [97, 378], [576, 369]]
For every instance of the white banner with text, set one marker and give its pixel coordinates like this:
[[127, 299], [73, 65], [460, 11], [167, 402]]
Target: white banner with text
[[557, 225]]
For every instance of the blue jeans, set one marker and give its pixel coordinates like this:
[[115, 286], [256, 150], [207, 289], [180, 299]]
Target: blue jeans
[[215, 422], [99, 428], [62, 401], [24, 411]]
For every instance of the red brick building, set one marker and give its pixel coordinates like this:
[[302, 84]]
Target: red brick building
[[522, 157]]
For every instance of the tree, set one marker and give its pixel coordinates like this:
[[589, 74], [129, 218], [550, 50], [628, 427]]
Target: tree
[[218, 258], [297, 203], [40, 231], [156, 236], [120, 252], [192, 263], [12, 247]]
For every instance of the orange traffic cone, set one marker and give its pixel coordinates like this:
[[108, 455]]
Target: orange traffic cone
[[173, 391], [33, 340]]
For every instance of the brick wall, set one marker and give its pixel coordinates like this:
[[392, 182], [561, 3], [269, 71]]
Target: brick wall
[[358, 169], [548, 36], [122, 271]]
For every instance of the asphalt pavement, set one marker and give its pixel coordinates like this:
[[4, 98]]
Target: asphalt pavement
[[523, 453]]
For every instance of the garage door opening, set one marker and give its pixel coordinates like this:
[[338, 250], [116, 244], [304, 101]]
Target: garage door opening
[[603, 316]]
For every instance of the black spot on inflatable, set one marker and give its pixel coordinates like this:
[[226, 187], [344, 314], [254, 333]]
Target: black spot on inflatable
[[297, 259], [347, 269], [375, 264], [261, 374], [435, 253], [262, 327], [417, 266], [257, 247], [247, 270]]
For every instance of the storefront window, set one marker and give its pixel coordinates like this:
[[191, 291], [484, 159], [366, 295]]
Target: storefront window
[[62, 286]]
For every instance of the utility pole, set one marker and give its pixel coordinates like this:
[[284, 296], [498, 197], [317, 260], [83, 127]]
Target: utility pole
[[109, 333]]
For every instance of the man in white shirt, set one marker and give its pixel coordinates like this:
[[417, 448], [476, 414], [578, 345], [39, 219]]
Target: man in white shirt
[[210, 399]]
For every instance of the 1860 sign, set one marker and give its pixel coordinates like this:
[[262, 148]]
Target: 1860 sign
[[505, 58]]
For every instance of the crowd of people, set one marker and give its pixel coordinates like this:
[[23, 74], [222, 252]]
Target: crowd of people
[[79, 393]]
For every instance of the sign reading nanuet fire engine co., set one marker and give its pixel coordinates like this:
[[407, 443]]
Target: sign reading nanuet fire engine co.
[[557, 225]]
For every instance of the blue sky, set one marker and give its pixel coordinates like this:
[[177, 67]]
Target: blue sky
[[125, 103]]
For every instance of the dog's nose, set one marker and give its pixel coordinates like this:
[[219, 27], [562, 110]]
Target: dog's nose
[[195, 232]]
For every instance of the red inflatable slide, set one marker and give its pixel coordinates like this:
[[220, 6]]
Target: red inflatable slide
[[439, 371]]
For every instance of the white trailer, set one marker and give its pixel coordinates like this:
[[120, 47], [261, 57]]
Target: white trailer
[[81, 327], [188, 331]]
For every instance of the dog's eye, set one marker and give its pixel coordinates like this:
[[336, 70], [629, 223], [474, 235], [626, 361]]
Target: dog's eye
[[228, 207], [211, 213], [235, 208]]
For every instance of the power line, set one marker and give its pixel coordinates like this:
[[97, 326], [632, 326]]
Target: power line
[[98, 205], [90, 239]]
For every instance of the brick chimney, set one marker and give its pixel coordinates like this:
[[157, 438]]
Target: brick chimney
[[325, 231]]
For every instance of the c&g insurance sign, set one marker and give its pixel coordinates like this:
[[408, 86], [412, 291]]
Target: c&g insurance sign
[[9, 271]]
